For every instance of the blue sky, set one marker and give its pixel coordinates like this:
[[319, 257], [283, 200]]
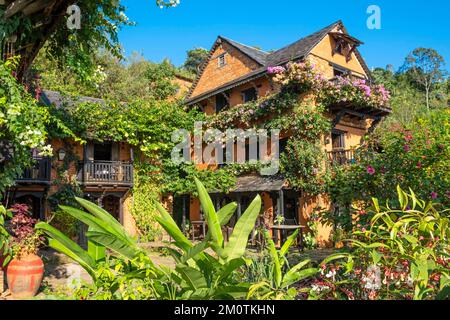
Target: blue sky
[[272, 24]]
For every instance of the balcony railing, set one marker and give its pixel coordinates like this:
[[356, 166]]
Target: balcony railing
[[342, 157], [39, 173], [106, 173]]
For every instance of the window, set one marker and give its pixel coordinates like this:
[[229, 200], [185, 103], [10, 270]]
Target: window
[[339, 73], [221, 101], [249, 95], [338, 139], [103, 152], [221, 61]]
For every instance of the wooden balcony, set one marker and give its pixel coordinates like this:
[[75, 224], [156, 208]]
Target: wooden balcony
[[342, 157], [106, 173], [39, 173]]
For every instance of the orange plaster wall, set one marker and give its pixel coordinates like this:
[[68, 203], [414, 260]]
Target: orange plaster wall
[[127, 220], [321, 55]]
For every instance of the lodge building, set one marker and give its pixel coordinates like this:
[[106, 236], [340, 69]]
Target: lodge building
[[235, 74]]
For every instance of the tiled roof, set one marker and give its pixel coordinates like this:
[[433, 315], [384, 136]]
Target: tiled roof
[[50, 97], [254, 53], [295, 51], [300, 48]]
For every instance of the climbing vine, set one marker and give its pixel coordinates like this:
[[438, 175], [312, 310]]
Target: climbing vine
[[298, 109], [22, 126]]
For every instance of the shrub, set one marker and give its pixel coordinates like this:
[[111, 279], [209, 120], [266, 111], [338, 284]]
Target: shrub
[[403, 253]]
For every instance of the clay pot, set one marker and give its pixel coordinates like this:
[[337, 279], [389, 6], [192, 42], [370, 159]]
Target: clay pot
[[25, 276]]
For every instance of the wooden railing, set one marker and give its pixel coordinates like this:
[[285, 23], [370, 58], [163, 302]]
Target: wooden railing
[[40, 172], [106, 173], [342, 157]]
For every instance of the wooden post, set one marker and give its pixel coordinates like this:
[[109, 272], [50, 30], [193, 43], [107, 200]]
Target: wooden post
[[183, 218], [239, 206]]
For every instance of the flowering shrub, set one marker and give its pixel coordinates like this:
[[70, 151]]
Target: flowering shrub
[[403, 253], [414, 155], [306, 76], [22, 126]]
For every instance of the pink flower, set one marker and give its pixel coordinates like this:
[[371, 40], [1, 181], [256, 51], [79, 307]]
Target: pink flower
[[276, 70], [406, 148], [434, 195], [419, 165], [370, 170]]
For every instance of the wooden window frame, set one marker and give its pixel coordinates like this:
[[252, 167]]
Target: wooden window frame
[[221, 60]]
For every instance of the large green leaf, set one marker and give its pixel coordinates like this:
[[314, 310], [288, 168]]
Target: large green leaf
[[167, 222], [194, 251], [293, 277], [103, 215], [114, 243], [287, 245], [226, 213], [241, 233], [63, 244], [276, 261], [96, 251], [210, 214], [194, 278], [230, 267], [95, 223]]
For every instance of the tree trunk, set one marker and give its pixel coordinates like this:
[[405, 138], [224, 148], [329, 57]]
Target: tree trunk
[[30, 53]]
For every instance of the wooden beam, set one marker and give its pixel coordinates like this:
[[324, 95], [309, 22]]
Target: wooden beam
[[15, 7]]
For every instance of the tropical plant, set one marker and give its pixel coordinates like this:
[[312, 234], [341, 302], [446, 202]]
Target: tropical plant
[[415, 154], [404, 253], [281, 276], [130, 274]]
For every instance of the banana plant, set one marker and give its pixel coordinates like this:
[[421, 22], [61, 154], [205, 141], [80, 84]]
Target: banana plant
[[278, 287], [104, 232], [211, 276]]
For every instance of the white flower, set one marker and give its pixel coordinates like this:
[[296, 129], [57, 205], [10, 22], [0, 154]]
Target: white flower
[[372, 278]]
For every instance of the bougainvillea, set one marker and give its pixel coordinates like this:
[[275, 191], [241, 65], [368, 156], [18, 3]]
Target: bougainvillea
[[412, 156], [299, 110]]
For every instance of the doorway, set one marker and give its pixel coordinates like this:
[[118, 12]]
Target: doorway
[[112, 205]]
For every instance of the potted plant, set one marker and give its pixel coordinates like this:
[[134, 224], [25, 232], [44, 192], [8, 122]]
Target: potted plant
[[26, 269]]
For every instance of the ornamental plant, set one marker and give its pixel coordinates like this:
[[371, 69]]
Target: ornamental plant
[[129, 273], [25, 239], [280, 277], [411, 155], [22, 126], [404, 253]]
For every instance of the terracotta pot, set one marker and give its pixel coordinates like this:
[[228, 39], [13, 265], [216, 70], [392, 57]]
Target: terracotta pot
[[25, 276]]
